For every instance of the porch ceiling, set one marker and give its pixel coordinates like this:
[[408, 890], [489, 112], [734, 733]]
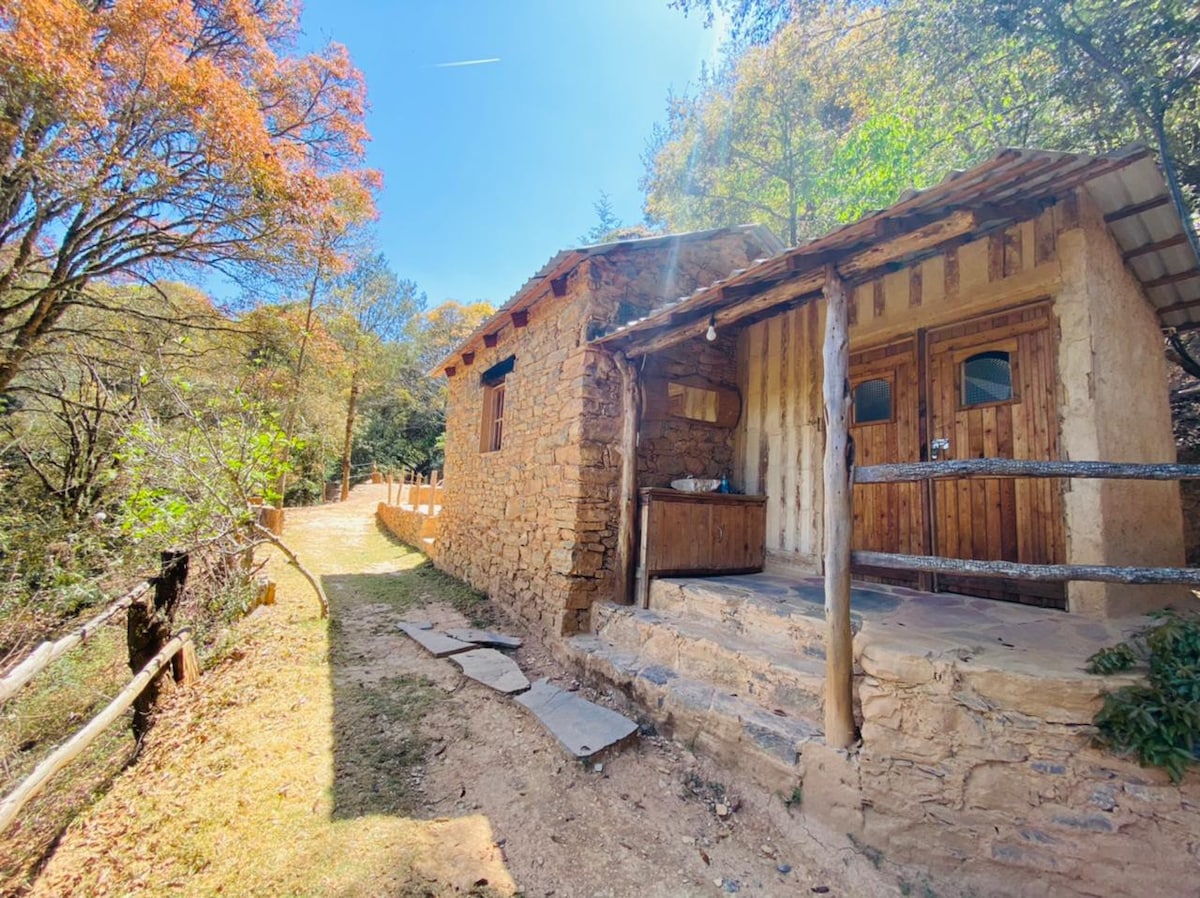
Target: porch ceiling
[[1013, 185]]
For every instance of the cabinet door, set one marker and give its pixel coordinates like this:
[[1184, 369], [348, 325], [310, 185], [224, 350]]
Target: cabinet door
[[737, 533]]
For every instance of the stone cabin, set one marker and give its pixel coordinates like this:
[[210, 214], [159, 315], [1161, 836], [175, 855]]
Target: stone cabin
[[1015, 310], [529, 509]]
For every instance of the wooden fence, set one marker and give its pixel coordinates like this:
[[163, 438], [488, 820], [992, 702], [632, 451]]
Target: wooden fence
[[1005, 467], [414, 490], [149, 607]]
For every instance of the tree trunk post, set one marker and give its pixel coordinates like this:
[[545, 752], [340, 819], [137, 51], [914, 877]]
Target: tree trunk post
[[148, 629], [389, 485], [627, 523], [839, 664]]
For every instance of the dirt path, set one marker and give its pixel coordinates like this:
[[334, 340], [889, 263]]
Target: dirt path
[[344, 761]]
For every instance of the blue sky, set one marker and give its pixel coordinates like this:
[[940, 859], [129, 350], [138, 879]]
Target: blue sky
[[490, 169]]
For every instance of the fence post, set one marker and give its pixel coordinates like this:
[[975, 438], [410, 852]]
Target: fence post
[[148, 629]]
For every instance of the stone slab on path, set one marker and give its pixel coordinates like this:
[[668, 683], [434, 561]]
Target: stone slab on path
[[487, 638], [493, 669], [437, 644], [583, 728]]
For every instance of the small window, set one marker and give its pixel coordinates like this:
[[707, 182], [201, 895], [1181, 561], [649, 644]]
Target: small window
[[494, 382], [986, 378], [493, 418], [873, 401]]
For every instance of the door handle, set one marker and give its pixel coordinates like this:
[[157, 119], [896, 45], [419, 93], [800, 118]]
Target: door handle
[[937, 447]]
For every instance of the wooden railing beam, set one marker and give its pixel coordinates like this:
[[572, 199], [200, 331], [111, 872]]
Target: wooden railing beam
[[966, 567], [904, 472]]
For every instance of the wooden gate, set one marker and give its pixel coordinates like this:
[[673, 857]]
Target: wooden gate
[[989, 392]]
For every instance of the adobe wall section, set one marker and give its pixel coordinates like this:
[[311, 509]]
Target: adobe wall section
[[534, 524], [1114, 384]]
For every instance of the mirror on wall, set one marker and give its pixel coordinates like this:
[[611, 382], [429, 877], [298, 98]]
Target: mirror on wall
[[693, 403], [691, 399]]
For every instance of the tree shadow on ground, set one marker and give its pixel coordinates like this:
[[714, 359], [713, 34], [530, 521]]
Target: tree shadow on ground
[[377, 708]]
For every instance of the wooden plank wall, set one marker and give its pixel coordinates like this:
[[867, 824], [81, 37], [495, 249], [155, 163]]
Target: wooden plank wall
[[779, 448], [779, 443]]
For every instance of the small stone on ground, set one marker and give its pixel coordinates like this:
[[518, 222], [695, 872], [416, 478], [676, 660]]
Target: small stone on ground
[[582, 727], [438, 644], [493, 669]]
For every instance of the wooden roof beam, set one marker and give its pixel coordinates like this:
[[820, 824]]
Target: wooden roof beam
[[1137, 208], [1177, 240], [1172, 278]]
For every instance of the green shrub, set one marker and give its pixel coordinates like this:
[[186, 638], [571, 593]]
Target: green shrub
[[1159, 722]]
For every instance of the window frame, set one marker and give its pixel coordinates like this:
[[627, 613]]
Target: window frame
[[494, 382], [960, 366], [888, 376], [491, 437]]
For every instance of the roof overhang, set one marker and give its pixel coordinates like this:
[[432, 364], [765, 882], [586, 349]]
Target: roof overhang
[[550, 280], [1014, 185]]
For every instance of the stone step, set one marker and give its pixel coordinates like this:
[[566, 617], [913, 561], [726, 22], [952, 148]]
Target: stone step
[[762, 745], [767, 671], [794, 612]]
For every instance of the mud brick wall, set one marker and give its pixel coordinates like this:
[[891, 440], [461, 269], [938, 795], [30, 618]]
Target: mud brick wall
[[534, 524], [986, 777]]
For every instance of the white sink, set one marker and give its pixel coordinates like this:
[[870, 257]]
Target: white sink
[[695, 485]]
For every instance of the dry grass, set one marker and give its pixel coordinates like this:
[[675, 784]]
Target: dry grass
[[43, 715], [247, 787]]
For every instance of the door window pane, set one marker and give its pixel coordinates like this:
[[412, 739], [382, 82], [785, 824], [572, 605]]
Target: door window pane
[[987, 377], [873, 401]]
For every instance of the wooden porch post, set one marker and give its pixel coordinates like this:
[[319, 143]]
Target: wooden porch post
[[839, 667], [627, 525]]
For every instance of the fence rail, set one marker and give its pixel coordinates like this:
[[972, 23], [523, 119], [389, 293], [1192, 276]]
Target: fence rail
[[151, 647], [49, 652], [907, 472], [12, 803]]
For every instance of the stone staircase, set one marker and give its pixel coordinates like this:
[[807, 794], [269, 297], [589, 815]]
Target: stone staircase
[[735, 673]]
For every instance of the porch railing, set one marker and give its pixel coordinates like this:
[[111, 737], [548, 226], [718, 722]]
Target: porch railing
[[908, 472]]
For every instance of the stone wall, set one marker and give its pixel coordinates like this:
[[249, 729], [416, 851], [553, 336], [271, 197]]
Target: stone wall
[[534, 524], [668, 447], [985, 778], [410, 527]]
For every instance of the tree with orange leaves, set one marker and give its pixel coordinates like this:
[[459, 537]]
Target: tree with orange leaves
[[142, 134]]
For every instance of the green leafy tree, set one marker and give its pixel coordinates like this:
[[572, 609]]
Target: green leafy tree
[[371, 306], [786, 134]]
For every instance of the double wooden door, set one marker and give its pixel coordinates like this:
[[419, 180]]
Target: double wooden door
[[980, 389]]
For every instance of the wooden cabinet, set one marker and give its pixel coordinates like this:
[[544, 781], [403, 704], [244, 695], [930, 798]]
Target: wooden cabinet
[[698, 533]]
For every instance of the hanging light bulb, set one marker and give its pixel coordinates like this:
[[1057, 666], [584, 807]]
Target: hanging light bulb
[[711, 334]]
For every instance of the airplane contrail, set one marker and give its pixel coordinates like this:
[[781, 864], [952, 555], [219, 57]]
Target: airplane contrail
[[454, 65]]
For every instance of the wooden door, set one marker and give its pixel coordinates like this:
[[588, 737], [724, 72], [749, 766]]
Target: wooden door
[[885, 427], [992, 388]]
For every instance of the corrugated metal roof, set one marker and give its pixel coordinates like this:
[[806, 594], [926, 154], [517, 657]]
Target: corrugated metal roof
[[564, 261], [1127, 186]]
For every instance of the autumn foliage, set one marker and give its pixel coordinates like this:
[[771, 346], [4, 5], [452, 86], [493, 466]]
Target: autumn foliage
[[137, 134]]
